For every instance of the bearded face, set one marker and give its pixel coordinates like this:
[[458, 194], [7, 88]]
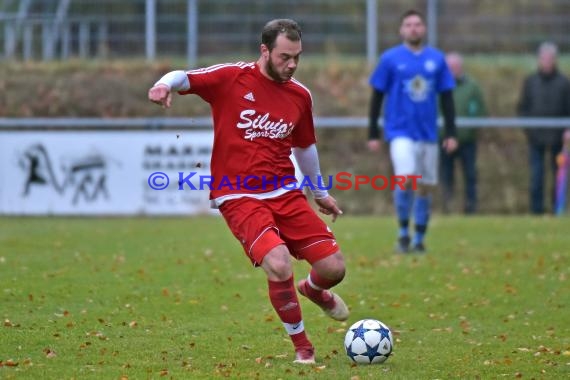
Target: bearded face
[[413, 30], [281, 62]]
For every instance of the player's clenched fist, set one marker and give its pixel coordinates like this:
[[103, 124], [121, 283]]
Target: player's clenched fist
[[160, 94]]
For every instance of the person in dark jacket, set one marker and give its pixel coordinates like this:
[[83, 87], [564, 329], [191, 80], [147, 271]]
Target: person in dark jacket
[[469, 102], [546, 93]]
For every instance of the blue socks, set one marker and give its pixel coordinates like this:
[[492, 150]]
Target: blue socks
[[422, 209], [403, 200]]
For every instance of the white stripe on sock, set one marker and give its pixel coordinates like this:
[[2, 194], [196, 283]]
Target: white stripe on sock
[[312, 284], [294, 328]]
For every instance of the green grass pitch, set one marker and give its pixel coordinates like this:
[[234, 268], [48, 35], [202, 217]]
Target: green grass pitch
[[154, 298]]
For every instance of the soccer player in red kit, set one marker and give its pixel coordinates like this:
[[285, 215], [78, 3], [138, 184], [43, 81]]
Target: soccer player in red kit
[[261, 114]]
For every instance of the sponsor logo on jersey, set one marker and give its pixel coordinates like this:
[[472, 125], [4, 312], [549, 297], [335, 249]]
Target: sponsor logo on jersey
[[249, 96], [417, 88], [263, 125], [430, 66]]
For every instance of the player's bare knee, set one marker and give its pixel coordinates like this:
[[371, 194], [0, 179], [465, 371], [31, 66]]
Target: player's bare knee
[[338, 268], [278, 270], [277, 264], [425, 190], [398, 182], [334, 274], [338, 273], [402, 182], [411, 184], [332, 267]]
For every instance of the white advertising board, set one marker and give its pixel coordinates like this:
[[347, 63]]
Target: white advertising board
[[102, 172]]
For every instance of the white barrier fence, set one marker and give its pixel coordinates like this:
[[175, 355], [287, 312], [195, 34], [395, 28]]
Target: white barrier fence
[[102, 173], [183, 123], [76, 166]]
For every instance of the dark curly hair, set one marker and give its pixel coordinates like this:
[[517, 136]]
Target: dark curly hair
[[274, 28]]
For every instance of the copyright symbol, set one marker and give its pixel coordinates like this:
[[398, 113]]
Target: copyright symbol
[[158, 181]]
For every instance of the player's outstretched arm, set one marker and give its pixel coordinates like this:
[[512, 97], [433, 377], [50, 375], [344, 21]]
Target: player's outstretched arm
[[161, 92]]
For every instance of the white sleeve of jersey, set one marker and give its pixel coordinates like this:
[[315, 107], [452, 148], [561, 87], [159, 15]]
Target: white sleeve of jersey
[[175, 80], [308, 161]]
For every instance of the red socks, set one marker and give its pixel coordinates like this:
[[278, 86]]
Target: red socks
[[314, 289], [284, 299], [285, 302]]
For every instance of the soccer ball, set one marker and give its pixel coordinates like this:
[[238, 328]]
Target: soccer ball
[[368, 342]]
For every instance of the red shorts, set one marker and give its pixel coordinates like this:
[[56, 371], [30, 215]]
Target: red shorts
[[262, 224]]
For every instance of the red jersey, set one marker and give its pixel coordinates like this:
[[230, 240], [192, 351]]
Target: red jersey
[[256, 123]]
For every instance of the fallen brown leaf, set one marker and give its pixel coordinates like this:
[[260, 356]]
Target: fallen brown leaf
[[445, 329], [451, 287], [542, 348], [49, 353], [10, 363], [510, 289]]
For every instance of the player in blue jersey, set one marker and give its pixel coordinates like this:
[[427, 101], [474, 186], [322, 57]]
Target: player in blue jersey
[[411, 76]]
